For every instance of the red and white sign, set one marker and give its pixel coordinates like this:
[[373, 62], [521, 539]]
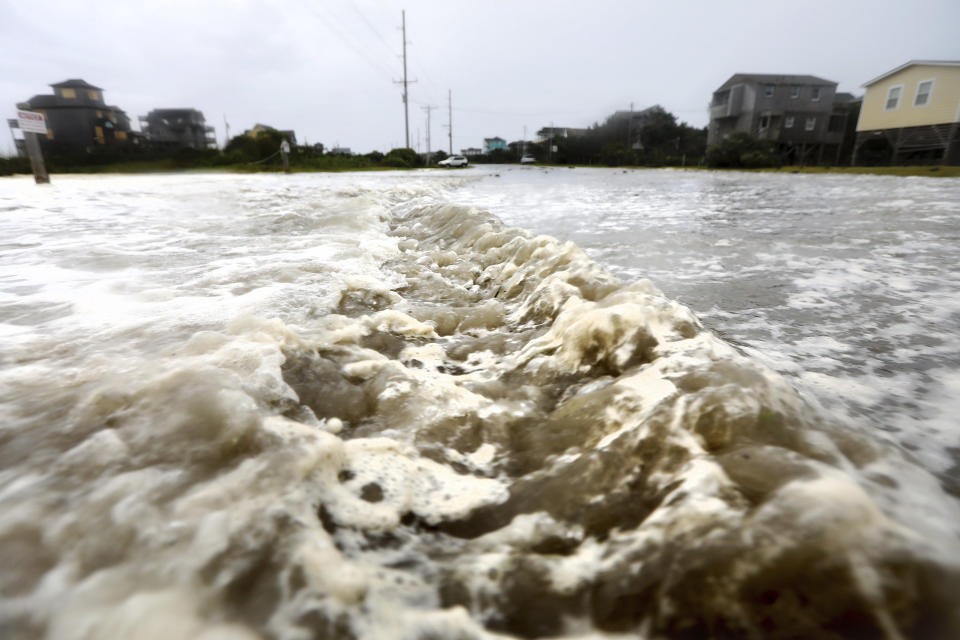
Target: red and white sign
[[31, 122]]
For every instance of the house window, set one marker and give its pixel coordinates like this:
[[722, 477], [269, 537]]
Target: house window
[[924, 89], [810, 124], [893, 98], [94, 95], [764, 122], [768, 91], [815, 94], [121, 135], [98, 134], [68, 93], [788, 122], [794, 93]]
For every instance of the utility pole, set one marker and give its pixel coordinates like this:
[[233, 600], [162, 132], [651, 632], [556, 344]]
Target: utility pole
[[226, 129], [428, 108], [630, 129], [406, 116], [405, 82], [450, 119]]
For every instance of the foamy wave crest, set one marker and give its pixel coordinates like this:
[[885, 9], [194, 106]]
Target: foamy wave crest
[[489, 436]]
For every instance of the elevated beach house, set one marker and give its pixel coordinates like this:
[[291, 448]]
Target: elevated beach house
[[911, 115], [796, 114], [79, 121], [177, 129], [288, 134], [492, 144]]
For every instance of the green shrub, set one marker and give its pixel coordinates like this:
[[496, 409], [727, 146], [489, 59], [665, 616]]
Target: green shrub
[[740, 150], [755, 160], [16, 164], [402, 158]]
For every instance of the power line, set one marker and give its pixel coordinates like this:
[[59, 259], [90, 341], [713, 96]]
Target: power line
[[498, 112], [425, 74], [346, 26], [373, 29], [334, 26]]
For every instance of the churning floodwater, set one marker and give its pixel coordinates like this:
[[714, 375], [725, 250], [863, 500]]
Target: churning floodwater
[[847, 284], [492, 403]]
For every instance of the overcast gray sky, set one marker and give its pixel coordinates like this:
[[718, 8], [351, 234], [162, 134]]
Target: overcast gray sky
[[325, 68]]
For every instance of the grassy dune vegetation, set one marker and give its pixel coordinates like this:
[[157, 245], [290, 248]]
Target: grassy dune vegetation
[[935, 171]]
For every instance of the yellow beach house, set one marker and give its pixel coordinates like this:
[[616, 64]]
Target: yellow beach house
[[911, 115]]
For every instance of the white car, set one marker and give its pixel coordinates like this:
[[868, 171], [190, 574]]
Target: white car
[[527, 159], [454, 161]]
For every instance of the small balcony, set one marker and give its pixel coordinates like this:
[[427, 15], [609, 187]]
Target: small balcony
[[727, 103], [720, 111]]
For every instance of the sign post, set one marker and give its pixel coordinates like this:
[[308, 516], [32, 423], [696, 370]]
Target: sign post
[[284, 150], [32, 123]]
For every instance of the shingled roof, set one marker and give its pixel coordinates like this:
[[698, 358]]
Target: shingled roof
[[845, 98], [42, 101], [75, 83], [776, 78], [914, 63]]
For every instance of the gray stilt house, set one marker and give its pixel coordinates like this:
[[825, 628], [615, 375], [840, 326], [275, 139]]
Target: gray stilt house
[[797, 114], [79, 121], [177, 129]]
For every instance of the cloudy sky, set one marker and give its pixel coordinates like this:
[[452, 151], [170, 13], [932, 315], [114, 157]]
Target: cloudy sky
[[326, 68]]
